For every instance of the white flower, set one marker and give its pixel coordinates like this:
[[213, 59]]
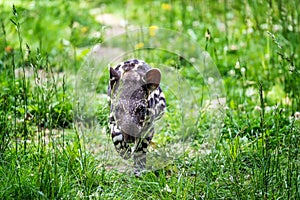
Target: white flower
[[237, 65], [257, 108], [179, 23], [297, 115], [210, 80], [250, 91], [243, 70], [232, 72]]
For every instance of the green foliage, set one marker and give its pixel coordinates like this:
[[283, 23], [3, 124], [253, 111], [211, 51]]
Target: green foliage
[[45, 154], [103, 115]]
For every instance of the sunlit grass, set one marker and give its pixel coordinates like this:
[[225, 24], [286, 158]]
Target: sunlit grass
[[47, 152]]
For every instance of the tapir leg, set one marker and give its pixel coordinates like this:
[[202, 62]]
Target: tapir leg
[[139, 155], [121, 145]]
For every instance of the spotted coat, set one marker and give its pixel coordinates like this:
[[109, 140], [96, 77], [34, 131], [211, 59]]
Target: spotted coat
[[136, 102]]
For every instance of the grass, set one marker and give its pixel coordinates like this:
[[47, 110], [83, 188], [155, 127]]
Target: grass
[[53, 146]]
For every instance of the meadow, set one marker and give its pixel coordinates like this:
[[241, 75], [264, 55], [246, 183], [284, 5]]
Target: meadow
[[231, 130]]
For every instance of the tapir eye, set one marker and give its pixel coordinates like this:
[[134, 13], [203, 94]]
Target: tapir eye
[[141, 109]]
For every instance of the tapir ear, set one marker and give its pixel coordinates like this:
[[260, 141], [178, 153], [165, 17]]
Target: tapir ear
[[152, 79], [114, 76]]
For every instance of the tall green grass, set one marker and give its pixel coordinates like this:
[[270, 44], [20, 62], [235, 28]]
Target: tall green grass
[[45, 153]]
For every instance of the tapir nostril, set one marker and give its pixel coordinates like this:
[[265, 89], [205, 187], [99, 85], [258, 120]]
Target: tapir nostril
[[131, 129]]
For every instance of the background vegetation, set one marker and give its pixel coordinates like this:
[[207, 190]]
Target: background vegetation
[[43, 153]]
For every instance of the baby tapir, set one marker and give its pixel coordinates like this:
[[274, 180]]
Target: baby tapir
[[136, 102]]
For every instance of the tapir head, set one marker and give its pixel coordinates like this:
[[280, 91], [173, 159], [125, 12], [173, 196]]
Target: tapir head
[[129, 98]]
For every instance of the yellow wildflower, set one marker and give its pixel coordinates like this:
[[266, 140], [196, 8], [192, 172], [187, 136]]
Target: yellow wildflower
[[84, 29], [166, 6], [9, 49], [152, 30], [139, 45]]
